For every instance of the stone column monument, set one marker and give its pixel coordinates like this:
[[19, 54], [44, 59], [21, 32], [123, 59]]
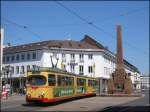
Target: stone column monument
[[120, 82]]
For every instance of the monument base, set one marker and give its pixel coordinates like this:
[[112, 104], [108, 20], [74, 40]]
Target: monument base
[[115, 86]]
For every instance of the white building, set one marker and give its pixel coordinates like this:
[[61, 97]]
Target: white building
[[85, 57], [145, 84]]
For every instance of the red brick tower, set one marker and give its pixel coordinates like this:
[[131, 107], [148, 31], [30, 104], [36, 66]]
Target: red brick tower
[[120, 82]]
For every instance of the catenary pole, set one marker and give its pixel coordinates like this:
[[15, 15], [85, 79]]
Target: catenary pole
[[1, 56]]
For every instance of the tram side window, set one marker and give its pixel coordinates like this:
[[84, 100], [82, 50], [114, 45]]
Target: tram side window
[[92, 83], [51, 80], [65, 81], [81, 82]]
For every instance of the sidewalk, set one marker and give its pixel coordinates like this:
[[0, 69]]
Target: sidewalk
[[14, 97]]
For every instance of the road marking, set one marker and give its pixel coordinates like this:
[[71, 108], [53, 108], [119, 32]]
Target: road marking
[[10, 106]]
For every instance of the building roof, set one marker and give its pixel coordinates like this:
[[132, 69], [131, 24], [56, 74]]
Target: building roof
[[86, 43], [93, 42], [48, 44]]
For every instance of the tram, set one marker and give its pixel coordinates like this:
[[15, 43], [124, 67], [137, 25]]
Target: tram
[[52, 85]]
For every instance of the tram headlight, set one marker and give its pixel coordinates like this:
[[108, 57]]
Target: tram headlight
[[42, 95]]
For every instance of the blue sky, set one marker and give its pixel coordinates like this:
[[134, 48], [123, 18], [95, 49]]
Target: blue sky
[[50, 21]]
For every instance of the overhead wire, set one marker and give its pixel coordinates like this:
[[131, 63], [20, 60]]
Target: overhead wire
[[91, 23], [81, 18], [122, 14], [95, 26], [22, 27]]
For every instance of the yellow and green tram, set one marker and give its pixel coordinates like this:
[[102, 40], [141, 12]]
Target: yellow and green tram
[[51, 85]]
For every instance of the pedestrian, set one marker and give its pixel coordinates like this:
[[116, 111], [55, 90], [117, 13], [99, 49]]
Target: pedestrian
[[8, 88], [20, 91], [24, 90]]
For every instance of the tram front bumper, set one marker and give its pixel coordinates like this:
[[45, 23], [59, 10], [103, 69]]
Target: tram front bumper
[[29, 99]]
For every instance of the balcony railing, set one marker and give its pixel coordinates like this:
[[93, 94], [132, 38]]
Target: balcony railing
[[82, 61], [72, 60], [81, 73]]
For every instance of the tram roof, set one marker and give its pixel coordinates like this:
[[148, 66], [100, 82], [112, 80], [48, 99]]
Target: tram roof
[[56, 70]]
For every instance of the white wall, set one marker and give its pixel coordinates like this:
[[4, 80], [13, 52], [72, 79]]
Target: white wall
[[100, 59], [24, 63]]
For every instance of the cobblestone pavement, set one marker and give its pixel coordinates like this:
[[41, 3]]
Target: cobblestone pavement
[[90, 104], [17, 103]]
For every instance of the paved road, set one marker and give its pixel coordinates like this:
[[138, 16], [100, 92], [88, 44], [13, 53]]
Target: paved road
[[86, 104], [139, 105]]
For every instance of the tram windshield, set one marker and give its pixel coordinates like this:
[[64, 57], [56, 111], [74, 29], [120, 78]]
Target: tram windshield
[[36, 80]]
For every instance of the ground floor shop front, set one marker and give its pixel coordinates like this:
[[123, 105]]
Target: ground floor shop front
[[14, 84]]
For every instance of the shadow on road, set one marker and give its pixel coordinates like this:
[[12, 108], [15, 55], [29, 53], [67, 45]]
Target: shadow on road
[[126, 109], [40, 104]]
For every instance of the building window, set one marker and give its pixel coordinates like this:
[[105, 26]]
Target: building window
[[90, 56], [64, 67], [90, 69], [81, 69], [12, 58], [3, 58], [22, 69], [22, 56], [81, 57], [72, 57], [28, 56], [63, 57], [72, 68], [17, 57], [33, 66], [17, 69], [12, 69], [7, 58], [34, 56], [28, 67]]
